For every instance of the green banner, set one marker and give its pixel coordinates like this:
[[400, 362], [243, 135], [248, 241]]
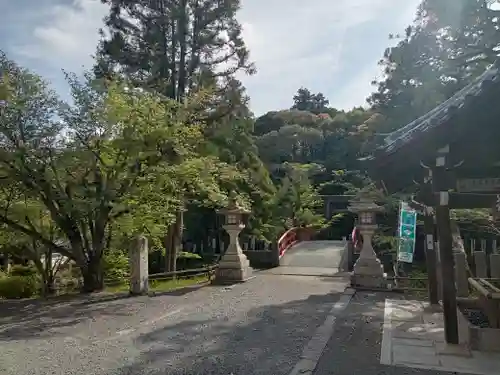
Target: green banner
[[407, 232]]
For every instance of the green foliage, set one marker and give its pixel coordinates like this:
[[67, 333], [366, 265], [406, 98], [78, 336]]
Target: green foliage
[[19, 270], [186, 260], [15, 287], [184, 31], [126, 161], [116, 265], [304, 100], [188, 255], [448, 45]]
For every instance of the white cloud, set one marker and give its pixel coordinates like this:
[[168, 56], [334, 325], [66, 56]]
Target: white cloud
[[301, 44], [293, 43], [67, 36]]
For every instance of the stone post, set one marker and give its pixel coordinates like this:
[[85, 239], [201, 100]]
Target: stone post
[[480, 263], [138, 260], [495, 266], [368, 270], [234, 266], [461, 278]]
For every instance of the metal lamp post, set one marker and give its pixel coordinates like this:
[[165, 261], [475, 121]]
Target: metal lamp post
[[234, 266], [368, 270]]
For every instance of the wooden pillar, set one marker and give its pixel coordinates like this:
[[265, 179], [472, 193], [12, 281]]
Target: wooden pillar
[[442, 209]]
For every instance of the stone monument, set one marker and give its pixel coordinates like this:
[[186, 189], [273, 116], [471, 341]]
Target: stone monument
[[138, 260], [368, 271], [234, 266]]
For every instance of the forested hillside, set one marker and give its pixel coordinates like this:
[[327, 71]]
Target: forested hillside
[[160, 131]]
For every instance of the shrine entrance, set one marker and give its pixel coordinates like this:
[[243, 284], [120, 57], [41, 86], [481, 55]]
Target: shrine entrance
[[447, 159]]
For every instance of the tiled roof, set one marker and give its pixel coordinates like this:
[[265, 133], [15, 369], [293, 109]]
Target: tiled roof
[[438, 115]]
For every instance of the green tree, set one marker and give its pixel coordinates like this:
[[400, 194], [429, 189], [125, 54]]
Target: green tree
[[174, 47], [116, 154], [31, 214], [305, 100], [449, 44], [297, 202]]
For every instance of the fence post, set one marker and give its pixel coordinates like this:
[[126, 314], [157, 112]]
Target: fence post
[[461, 275]]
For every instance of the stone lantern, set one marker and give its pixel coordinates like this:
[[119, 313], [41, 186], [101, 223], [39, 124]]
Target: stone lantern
[[368, 270], [234, 266]]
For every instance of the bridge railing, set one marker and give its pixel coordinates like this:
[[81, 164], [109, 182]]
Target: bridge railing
[[293, 236], [287, 240]]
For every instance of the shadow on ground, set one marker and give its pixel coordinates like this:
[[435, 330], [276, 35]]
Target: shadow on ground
[[354, 348], [267, 340], [35, 318]]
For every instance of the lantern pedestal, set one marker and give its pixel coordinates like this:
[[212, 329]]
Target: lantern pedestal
[[234, 266], [368, 271]]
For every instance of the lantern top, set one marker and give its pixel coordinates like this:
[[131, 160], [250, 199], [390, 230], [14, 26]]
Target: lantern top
[[364, 204], [233, 207]]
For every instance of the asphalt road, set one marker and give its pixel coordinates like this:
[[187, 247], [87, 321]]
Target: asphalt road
[[321, 258], [259, 327]]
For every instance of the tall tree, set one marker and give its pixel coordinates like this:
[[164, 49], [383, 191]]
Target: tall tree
[[448, 45], [174, 46], [177, 47], [305, 100]]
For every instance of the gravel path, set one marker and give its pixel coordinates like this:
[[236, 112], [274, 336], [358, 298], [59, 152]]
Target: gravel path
[[354, 348], [259, 327]]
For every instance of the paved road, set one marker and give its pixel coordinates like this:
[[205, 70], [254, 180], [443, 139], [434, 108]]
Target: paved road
[[320, 258], [259, 327]]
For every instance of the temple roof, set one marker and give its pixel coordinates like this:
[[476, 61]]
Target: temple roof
[[438, 116]]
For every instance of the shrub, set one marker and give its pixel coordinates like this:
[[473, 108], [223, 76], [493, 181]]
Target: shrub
[[115, 265], [187, 260], [14, 287], [156, 261], [20, 270]]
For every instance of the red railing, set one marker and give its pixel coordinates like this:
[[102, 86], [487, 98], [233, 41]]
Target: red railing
[[287, 240]]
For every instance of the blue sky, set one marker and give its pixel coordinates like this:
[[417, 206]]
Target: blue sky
[[330, 46]]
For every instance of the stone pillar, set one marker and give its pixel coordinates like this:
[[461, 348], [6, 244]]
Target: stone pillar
[[481, 267], [138, 260], [495, 266], [368, 271], [461, 279]]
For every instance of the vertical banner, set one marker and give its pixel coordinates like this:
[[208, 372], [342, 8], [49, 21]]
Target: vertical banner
[[407, 231]]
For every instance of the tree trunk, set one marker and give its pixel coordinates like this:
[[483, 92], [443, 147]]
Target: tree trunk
[[92, 273], [173, 242], [169, 248], [49, 288]]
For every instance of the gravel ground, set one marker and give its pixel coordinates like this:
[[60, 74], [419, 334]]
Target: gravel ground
[[354, 348], [259, 327]]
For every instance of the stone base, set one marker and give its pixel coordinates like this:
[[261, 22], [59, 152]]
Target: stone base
[[369, 273], [369, 281], [233, 268], [139, 287], [227, 276]]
